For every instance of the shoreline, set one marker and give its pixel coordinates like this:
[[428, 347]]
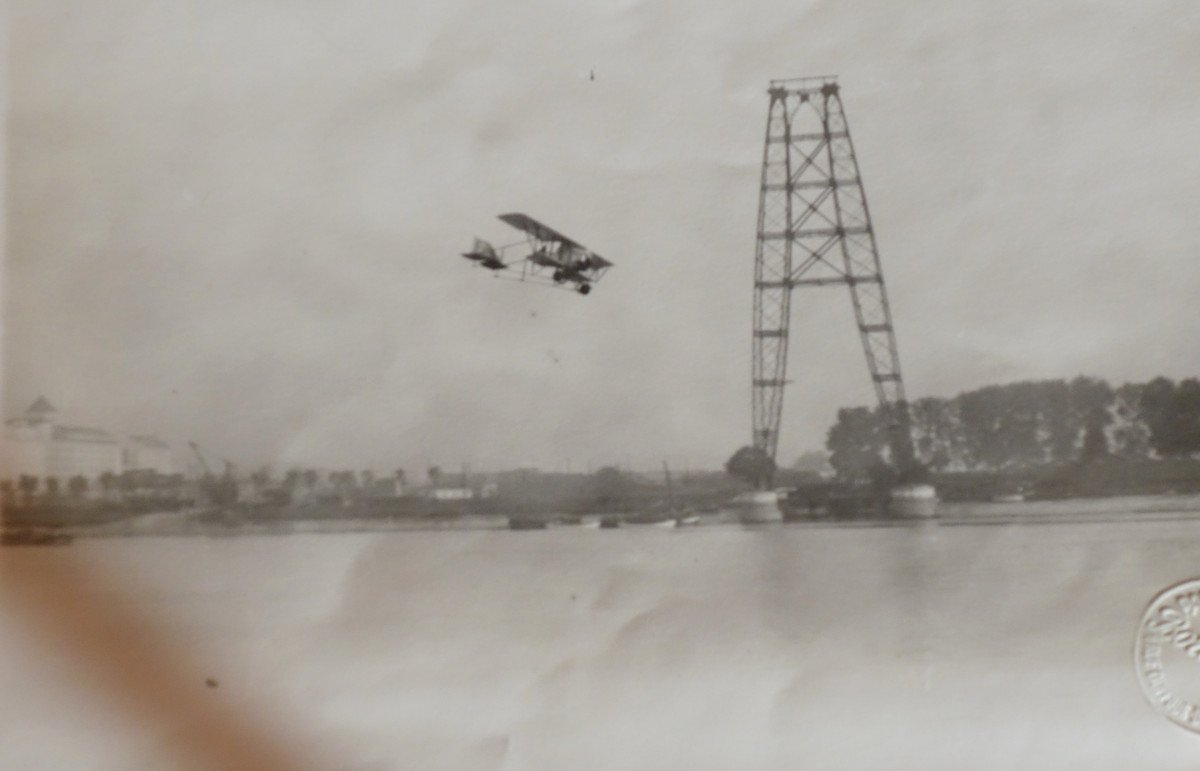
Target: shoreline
[[1079, 511]]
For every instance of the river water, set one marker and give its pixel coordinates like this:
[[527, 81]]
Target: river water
[[1001, 638]]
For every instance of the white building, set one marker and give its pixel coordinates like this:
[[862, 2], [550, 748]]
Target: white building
[[147, 453], [38, 444], [452, 493], [79, 451], [27, 441]]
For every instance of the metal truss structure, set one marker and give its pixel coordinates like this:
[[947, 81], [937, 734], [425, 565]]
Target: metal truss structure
[[814, 230]]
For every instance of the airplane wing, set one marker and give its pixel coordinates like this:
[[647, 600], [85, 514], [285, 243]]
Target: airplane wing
[[529, 225]]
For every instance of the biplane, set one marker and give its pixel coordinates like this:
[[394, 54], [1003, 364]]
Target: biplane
[[552, 259]]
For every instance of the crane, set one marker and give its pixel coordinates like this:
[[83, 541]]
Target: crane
[[222, 491], [200, 457]]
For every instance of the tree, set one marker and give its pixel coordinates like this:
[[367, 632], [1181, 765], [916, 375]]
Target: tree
[[937, 434], [261, 478], [1088, 394], [174, 485], [1172, 413], [1058, 428], [77, 485], [814, 462], [1018, 424], [1187, 413], [1157, 408], [368, 478], [856, 442], [610, 486], [751, 465], [1130, 434], [435, 475], [1095, 443], [52, 486], [28, 485]]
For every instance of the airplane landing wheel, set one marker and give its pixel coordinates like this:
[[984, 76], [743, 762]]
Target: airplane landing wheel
[[585, 288], [558, 276]]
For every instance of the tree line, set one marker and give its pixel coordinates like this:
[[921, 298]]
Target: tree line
[[1028, 424]]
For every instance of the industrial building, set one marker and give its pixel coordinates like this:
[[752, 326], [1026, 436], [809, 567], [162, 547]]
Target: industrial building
[[38, 444]]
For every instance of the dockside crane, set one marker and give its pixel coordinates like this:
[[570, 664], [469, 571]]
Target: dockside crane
[[220, 491]]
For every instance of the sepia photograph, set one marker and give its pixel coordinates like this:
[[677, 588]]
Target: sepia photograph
[[614, 385]]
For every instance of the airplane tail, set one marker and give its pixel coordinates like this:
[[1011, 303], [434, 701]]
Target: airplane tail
[[481, 250], [484, 248]]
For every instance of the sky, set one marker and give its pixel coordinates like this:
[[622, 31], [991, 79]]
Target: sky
[[238, 222]]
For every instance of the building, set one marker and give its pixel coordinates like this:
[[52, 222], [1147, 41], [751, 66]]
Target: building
[[452, 493], [80, 451], [39, 444], [147, 453], [26, 441]]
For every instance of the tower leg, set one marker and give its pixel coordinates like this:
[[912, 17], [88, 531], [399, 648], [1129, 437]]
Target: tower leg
[[772, 269]]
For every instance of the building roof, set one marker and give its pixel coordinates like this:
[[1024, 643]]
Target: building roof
[[82, 434], [146, 440], [40, 407]]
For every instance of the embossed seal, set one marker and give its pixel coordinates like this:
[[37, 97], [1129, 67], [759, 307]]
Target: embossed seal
[[1167, 653]]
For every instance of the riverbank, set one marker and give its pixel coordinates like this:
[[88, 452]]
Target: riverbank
[[216, 523]]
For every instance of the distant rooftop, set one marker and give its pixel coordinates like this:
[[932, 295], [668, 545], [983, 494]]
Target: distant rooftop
[[43, 415], [83, 434], [41, 408], [149, 441], [41, 411]]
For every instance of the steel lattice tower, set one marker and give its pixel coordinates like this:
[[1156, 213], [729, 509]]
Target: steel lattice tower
[[814, 230]]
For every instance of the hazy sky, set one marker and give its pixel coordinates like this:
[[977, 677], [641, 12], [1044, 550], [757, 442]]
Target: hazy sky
[[238, 222]]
